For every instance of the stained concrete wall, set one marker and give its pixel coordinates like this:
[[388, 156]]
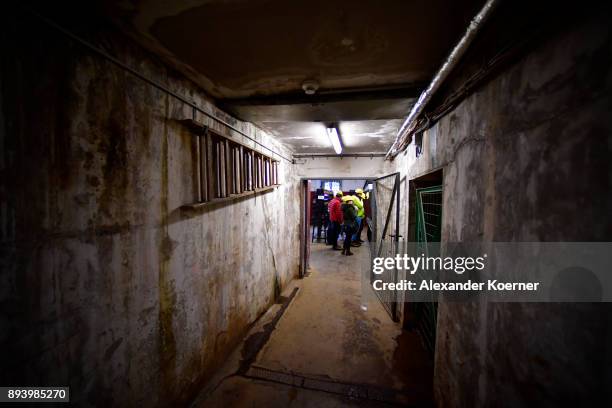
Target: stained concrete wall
[[346, 185], [527, 158], [106, 285], [338, 168]]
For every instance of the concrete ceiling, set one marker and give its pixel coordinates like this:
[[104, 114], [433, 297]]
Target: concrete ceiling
[[311, 137], [370, 58]]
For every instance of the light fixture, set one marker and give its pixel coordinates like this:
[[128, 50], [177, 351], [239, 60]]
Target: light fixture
[[310, 86], [334, 138]]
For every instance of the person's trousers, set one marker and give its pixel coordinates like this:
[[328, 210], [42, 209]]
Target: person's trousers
[[333, 232], [363, 222], [358, 229], [348, 232]]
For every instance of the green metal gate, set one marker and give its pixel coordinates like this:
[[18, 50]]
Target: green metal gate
[[428, 232]]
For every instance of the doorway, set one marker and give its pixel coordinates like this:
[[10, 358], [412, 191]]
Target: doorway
[[316, 195]]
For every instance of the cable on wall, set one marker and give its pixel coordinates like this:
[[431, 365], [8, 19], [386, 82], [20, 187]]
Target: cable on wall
[[147, 80]]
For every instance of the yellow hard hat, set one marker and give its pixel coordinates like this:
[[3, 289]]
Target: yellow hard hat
[[347, 198], [358, 191], [339, 192]]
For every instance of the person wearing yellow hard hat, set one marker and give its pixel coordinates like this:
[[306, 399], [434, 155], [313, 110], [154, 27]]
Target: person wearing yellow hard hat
[[358, 201]]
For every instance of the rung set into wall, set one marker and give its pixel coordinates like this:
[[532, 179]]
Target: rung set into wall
[[226, 169]]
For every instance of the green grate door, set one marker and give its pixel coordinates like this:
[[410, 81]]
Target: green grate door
[[428, 231]]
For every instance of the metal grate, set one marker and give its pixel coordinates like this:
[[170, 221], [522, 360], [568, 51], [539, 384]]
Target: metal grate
[[352, 391], [429, 216], [428, 231], [385, 234]]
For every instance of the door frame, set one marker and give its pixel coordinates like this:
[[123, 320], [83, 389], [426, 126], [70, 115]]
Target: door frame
[[304, 226]]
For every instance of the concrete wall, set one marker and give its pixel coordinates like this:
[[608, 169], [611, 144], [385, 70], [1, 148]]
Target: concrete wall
[[346, 185], [338, 168], [527, 158], [105, 284]]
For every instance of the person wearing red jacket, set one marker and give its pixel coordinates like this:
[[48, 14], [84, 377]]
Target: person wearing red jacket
[[335, 220]]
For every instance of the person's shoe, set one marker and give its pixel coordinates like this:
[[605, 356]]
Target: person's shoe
[[344, 252], [360, 241], [349, 253], [336, 248], [355, 244]]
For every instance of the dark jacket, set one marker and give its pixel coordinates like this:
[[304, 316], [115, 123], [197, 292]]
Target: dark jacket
[[349, 214]]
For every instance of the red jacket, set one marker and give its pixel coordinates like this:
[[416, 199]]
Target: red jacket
[[335, 210]]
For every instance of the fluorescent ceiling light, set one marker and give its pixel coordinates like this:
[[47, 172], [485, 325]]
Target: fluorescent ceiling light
[[332, 133]]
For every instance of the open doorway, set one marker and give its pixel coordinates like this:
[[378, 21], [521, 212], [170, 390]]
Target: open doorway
[[318, 231]]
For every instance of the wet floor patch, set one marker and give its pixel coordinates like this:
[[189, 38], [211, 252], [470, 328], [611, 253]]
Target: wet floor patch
[[255, 342]]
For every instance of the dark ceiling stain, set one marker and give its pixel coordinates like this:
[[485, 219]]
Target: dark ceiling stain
[[270, 46]]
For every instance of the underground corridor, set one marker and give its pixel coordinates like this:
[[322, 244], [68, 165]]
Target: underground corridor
[[320, 344], [262, 203]]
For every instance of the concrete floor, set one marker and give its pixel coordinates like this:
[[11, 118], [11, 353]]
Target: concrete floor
[[329, 348]]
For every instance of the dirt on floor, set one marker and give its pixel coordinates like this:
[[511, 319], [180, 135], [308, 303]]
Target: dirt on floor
[[332, 346]]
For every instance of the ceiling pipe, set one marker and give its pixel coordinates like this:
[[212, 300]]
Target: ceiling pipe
[[451, 61]]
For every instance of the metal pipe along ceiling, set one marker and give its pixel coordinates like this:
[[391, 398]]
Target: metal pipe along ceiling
[[408, 127]]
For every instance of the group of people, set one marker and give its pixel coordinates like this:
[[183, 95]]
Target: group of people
[[346, 215]]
